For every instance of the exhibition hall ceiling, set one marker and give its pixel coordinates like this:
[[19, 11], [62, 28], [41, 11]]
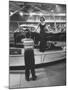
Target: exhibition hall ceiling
[[36, 7]]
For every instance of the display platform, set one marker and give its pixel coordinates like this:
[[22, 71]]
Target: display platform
[[40, 57]]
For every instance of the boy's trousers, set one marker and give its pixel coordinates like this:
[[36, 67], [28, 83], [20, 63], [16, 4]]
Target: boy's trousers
[[29, 62]]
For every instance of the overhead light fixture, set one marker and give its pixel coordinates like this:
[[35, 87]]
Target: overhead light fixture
[[52, 11], [31, 14], [21, 13], [11, 13]]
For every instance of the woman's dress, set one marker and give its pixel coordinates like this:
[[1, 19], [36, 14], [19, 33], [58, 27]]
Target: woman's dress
[[42, 37]]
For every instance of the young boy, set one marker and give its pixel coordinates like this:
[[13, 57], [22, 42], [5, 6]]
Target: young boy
[[29, 57]]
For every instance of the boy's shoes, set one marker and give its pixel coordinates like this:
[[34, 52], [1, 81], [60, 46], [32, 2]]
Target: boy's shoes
[[27, 79], [34, 78]]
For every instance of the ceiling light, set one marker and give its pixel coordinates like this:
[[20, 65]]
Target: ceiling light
[[21, 13], [31, 14], [11, 13], [52, 11]]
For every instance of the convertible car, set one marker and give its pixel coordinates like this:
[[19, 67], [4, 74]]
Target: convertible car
[[50, 36]]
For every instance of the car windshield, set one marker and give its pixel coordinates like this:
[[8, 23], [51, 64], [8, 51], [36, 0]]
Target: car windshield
[[27, 27]]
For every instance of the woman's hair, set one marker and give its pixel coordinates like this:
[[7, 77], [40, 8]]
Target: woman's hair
[[42, 17]]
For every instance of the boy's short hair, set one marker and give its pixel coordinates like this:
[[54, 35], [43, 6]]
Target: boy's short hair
[[27, 35]]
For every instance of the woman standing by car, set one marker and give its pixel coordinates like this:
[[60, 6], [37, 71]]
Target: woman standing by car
[[43, 30]]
